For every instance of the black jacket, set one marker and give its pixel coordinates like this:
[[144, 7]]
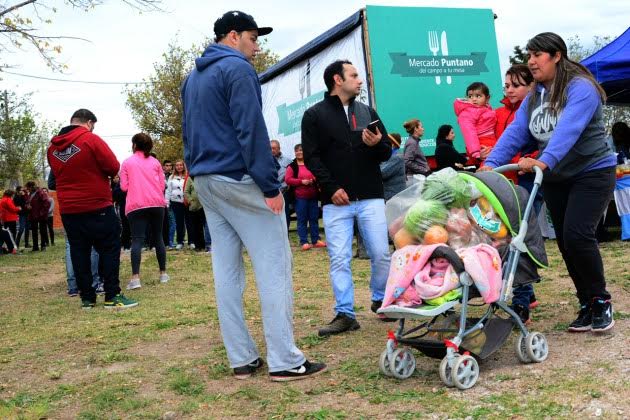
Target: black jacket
[[335, 153], [446, 156]]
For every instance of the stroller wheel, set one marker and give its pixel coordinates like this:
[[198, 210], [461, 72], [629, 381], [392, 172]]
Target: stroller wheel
[[403, 364], [465, 372], [446, 374], [521, 349], [536, 346], [384, 365]]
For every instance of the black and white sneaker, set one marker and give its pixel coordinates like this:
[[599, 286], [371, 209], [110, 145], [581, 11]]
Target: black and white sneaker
[[306, 370], [244, 372], [602, 315], [583, 321]]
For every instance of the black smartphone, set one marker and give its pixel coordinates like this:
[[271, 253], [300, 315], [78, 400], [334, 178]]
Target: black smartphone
[[372, 126]]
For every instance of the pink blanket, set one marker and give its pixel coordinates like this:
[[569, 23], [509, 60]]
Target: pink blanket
[[412, 277]]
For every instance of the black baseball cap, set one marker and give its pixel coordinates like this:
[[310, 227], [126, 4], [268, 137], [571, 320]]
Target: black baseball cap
[[237, 21]]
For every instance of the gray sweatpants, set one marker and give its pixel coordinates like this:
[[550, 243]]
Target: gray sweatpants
[[238, 216]]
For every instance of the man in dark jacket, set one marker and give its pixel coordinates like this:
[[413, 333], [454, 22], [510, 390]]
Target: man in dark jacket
[[226, 148], [344, 156], [38, 205], [81, 165]]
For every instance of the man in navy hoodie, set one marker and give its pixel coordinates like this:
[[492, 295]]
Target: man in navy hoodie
[[226, 148]]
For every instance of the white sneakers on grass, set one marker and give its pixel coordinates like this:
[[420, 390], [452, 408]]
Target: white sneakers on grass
[[134, 284]]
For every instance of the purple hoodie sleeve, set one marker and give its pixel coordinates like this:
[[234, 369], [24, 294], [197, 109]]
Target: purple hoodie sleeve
[[582, 102], [513, 139]]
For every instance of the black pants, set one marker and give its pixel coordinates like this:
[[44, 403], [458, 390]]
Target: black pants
[[125, 236], [139, 220], [576, 206], [101, 230], [289, 205], [197, 221], [12, 226], [51, 232], [41, 227], [8, 235]]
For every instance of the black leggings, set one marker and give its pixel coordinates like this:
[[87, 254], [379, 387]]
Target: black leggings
[[138, 221], [576, 206]]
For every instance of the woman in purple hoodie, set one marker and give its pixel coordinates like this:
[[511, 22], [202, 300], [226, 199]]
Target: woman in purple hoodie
[[563, 115], [141, 176]]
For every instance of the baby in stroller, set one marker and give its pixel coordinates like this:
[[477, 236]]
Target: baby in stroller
[[464, 236]]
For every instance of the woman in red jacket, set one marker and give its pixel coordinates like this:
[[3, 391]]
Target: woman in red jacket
[[9, 212], [518, 82], [303, 183]]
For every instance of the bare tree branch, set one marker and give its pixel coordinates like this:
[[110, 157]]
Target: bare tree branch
[[19, 31]]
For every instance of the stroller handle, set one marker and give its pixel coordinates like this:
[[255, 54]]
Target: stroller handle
[[451, 256], [514, 167]]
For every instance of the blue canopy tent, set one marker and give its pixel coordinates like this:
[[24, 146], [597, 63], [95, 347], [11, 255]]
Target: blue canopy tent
[[611, 68]]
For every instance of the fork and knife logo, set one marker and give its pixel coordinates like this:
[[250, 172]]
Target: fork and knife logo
[[436, 44]]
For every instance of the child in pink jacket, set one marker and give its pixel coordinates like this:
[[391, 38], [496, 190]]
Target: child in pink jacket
[[477, 120]]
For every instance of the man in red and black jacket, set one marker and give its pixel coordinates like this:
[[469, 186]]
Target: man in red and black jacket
[[344, 155], [38, 206], [81, 166]]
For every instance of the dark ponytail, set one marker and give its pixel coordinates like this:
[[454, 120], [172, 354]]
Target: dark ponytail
[[142, 142]]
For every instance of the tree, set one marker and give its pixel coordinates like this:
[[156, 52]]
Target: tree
[[519, 57], [578, 52], [18, 30], [156, 105], [22, 141]]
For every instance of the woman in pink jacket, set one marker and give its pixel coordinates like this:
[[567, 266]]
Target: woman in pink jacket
[[141, 176], [477, 120]]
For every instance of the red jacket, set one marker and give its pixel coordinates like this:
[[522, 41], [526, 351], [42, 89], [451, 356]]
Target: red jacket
[[8, 210], [39, 205], [505, 115], [81, 163]]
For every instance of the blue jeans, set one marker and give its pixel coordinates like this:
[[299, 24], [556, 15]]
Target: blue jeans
[[338, 225], [171, 227], [307, 211], [24, 228], [238, 217], [72, 281], [522, 294], [206, 234]]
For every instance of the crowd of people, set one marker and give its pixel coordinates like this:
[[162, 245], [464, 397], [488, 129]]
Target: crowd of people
[[235, 185]]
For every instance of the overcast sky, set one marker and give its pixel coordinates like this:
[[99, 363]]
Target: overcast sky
[[124, 44]]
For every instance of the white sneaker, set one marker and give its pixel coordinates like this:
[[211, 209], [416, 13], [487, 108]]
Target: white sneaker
[[191, 246], [164, 278], [134, 284], [179, 247]]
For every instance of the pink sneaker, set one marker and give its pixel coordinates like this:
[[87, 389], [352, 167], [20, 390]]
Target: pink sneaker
[[306, 247], [320, 244]]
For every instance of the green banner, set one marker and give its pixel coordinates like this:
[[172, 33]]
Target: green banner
[[423, 58], [428, 65], [290, 116]]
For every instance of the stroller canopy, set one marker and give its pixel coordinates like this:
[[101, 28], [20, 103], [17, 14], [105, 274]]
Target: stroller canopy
[[509, 203]]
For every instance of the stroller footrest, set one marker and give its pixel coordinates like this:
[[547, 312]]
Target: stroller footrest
[[421, 311]]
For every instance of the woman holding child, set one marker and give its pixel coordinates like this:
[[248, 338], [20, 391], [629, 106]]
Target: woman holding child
[[563, 115]]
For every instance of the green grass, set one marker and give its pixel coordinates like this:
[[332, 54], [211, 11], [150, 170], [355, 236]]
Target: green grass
[[57, 361]]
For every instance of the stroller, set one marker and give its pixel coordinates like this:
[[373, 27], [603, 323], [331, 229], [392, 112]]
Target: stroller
[[461, 342]]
